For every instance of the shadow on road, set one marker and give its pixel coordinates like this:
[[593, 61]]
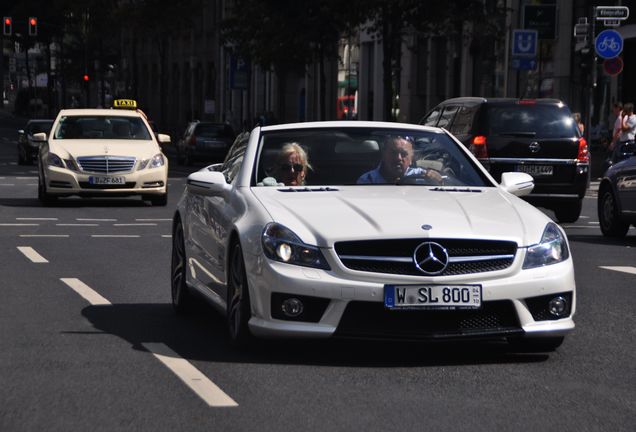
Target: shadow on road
[[600, 239], [75, 202], [201, 336]]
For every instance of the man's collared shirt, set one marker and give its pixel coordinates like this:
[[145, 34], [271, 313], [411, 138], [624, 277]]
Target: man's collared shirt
[[374, 176]]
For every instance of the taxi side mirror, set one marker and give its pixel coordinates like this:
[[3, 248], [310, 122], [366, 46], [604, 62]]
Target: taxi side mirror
[[39, 137], [163, 138]]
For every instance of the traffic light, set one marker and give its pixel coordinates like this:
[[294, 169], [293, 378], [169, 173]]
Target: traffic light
[[33, 26], [7, 26], [86, 78]]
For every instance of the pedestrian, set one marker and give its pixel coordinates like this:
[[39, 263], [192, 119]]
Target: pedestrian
[[617, 113], [579, 122], [627, 134]]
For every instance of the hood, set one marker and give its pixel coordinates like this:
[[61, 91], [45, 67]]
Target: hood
[[89, 147], [322, 217]]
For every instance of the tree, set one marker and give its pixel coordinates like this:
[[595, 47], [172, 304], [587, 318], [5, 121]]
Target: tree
[[288, 35]]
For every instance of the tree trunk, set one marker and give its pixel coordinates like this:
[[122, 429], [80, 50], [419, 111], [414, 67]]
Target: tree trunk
[[387, 62], [323, 84]]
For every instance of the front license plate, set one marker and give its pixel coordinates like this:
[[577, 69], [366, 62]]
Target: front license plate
[[535, 170], [107, 180], [432, 296]]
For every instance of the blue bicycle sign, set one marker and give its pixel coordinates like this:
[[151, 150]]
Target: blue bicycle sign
[[608, 44]]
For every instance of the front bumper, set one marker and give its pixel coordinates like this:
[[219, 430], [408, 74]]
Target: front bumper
[[355, 303], [65, 182]]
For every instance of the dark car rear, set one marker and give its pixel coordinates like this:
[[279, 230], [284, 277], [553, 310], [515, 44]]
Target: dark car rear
[[27, 148], [205, 142], [535, 136]]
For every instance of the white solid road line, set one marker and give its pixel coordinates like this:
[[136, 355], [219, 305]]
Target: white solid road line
[[44, 235], [115, 235], [89, 294], [184, 370], [623, 269], [191, 376], [31, 254]]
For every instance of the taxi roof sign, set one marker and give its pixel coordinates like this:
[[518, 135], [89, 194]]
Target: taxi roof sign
[[125, 104]]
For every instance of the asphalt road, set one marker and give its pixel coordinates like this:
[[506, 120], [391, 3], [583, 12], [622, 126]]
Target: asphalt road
[[88, 341]]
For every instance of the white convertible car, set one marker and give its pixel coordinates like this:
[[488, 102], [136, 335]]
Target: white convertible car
[[369, 230]]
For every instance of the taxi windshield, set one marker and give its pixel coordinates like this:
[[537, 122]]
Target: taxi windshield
[[102, 127]]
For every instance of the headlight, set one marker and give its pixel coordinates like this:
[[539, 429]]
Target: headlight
[[156, 162], [54, 160], [281, 244], [552, 248]]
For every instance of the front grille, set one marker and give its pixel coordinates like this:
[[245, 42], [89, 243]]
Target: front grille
[[106, 164], [87, 185], [372, 320], [395, 256]]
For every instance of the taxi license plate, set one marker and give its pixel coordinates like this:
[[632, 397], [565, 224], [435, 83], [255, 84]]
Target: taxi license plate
[[432, 296], [536, 170], [107, 180]]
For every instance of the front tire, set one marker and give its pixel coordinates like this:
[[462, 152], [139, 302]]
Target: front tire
[[238, 299], [608, 215], [44, 197], [181, 297]]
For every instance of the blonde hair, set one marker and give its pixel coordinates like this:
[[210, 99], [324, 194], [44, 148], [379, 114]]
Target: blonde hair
[[291, 148]]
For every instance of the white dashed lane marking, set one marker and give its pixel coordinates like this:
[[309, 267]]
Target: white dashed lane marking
[[135, 224], [115, 235], [31, 254], [45, 235], [622, 269], [200, 384], [35, 219], [191, 376]]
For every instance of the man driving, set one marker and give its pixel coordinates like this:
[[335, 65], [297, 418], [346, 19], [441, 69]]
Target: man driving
[[397, 156]]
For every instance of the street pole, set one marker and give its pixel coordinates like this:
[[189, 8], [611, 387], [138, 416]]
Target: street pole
[[588, 120]]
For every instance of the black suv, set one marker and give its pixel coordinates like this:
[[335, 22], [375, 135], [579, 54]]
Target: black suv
[[535, 136], [205, 141]]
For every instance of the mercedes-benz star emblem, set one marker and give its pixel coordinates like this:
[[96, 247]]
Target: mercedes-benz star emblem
[[430, 258]]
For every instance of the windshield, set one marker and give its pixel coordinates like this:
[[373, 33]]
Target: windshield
[[363, 156], [101, 127]]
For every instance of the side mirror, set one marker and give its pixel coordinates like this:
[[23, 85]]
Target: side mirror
[[208, 183], [39, 137], [519, 184], [163, 138]]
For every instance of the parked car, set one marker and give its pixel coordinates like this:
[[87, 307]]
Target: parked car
[[443, 253], [27, 147], [102, 152], [205, 142], [616, 202], [535, 136]]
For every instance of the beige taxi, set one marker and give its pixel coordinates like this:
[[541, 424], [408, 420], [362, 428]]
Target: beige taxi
[[102, 152]]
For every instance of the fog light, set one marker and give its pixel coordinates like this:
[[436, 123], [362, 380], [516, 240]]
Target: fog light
[[558, 306], [292, 307]]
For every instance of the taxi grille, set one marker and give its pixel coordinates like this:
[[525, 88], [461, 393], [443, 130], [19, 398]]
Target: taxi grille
[[395, 256], [106, 164], [372, 320]]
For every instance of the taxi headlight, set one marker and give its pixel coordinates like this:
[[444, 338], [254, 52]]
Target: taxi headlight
[[281, 244], [54, 160], [552, 249], [156, 162]]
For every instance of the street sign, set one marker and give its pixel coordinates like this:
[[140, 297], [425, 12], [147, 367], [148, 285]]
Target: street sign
[[524, 63], [542, 18], [612, 23], [524, 43], [613, 66], [612, 12], [608, 44]]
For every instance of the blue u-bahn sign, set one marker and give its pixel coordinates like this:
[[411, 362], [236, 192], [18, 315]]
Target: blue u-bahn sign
[[608, 44]]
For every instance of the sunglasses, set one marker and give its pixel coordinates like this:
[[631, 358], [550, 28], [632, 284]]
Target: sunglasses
[[288, 167]]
